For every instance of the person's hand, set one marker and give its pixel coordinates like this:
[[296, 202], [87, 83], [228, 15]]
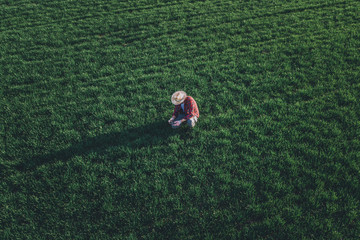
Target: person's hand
[[176, 123], [171, 120]]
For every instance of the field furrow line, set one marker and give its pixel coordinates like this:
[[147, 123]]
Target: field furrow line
[[95, 16], [173, 19], [40, 107], [196, 27], [162, 59], [102, 14], [250, 43], [193, 50]]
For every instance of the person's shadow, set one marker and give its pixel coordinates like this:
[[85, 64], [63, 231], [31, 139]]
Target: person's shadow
[[152, 134]]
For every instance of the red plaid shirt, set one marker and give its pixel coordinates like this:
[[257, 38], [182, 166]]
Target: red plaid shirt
[[190, 108]]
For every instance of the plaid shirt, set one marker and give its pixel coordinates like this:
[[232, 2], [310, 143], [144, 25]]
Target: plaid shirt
[[190, 108]]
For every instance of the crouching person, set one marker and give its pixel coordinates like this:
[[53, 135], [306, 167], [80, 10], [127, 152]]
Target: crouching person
[[186, 109]]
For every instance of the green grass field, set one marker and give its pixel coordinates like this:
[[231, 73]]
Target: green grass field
[[86, 150]]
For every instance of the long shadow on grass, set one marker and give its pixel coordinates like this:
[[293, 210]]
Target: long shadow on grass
[[149, 135]]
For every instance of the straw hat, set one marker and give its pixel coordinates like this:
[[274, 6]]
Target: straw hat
[[178, 97]]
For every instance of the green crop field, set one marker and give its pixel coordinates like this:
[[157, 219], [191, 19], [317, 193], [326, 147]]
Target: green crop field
[[86, 149]]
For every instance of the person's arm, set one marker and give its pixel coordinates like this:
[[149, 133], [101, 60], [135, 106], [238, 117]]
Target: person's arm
[[175, 114], [171, 120], [183, 120], [189, 110], [176, 111]]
